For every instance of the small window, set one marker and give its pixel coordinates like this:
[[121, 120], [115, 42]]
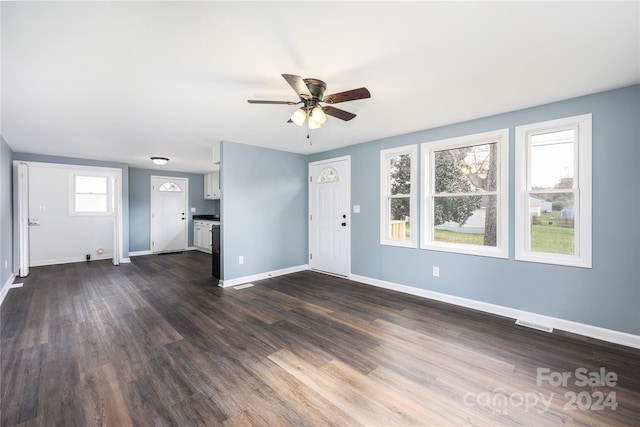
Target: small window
[[398, 171], [170, 187], [465, 205], [328, 174], [553, 192], [91, 195]]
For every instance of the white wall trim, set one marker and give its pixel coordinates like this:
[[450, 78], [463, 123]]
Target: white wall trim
[[125, 260], [591, 331], [261, 276], [139, 253], [143, 253], [8, 285], [69, 260]]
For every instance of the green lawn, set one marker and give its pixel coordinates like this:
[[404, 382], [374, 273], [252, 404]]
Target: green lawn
[[544, 238], [454, 237], [553, 239]]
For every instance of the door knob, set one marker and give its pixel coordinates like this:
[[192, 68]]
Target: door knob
[[344, 224]]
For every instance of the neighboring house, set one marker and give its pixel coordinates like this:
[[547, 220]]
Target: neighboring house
[[566, 212], [473, 225], [538, 206]]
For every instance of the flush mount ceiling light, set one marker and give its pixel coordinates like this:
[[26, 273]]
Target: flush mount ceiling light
[[311, 94], [160, 161]]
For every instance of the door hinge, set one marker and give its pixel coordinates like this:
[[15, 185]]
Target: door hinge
[[310, 179], [310, 217], [310, 256]]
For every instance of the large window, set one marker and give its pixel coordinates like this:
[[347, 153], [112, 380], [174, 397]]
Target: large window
[[553, 192], [91, 195], [398, 171], [465, 203]]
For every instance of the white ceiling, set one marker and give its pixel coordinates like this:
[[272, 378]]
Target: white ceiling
[[123, 81]]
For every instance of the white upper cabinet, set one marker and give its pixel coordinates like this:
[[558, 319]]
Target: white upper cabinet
[[212, 185]]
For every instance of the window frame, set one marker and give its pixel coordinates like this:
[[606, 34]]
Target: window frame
[[385, 196], [428, 150], [110, 207], [582, 192]]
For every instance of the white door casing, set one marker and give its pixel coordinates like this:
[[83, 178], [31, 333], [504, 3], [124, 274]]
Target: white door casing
[[169, 232], [21, 219], [329, 216]]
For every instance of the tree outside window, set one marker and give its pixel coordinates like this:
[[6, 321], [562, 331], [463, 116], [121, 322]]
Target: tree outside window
[[466, 194], [398, 172]]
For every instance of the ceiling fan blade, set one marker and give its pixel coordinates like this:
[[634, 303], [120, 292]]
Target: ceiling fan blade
[[298, 84], [338, 113], [349, 95], [258, 101]]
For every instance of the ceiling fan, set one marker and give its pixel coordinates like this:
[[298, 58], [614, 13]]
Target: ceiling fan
[[311, 94]]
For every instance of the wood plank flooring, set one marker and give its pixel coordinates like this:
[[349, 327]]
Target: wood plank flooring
[[157, 343]]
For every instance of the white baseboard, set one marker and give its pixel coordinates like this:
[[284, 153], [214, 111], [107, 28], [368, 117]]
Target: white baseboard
[[591, 331], [142, 253], [68, 260], [139, 253], [261, 276], [125, 260], [7, 286]]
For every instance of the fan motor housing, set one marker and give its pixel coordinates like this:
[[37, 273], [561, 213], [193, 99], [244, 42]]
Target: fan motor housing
[[316, 87]]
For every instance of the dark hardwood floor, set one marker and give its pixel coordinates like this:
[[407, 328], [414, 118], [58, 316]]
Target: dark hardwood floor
[[156, 343]]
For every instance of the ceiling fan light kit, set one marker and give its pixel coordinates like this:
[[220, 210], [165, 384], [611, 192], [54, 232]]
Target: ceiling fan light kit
[[311, 94], [318, 115], [299, 116], [313, 124]]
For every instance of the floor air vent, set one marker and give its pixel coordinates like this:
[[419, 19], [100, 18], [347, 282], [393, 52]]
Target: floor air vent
[[534, 326], [246, 285]]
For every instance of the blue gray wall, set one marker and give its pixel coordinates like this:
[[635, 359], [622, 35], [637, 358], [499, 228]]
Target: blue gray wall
[[140, 204], [264, 209], [28, 157], [6, 213], [608, 295]]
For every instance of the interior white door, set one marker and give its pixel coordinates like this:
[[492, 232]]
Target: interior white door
[[169, 214], [329, 218]]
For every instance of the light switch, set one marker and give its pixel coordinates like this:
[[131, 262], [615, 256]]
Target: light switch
[[193, 209], [356, 208]]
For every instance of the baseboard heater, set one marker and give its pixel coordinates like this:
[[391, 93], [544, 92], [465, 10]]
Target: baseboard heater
[[532, 325]]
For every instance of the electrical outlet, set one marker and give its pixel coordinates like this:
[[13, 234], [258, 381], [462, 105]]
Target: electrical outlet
[[241, 259], [436, 271]]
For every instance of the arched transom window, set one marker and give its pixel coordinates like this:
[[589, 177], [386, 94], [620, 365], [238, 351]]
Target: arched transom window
[[170, 187], [328, 174]]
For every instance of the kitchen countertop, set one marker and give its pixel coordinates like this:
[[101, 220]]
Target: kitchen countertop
[[207, 217]]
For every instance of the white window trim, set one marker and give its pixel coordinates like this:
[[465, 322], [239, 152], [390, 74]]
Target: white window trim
[[583, 207], [384, 195], [72, 192], [501, 250]]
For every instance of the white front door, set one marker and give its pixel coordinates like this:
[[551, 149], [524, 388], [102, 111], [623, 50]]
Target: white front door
[[329, 219], [169, 214]]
